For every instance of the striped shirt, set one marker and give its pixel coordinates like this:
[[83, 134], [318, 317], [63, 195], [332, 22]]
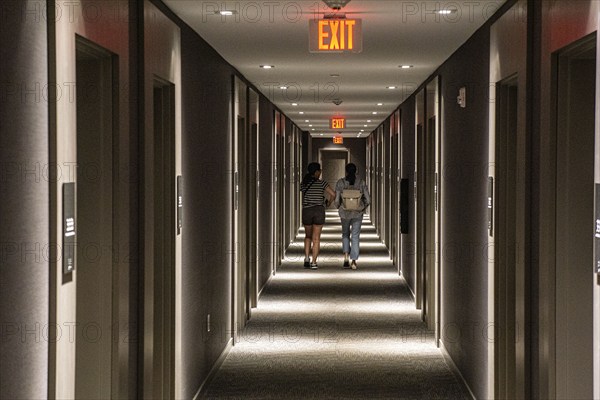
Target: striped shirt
[[314, 193]]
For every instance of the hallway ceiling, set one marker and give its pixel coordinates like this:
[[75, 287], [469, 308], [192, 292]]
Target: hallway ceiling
[[394, 33]]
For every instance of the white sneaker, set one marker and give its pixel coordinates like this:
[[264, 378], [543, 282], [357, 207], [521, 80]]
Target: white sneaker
[[353, 264]]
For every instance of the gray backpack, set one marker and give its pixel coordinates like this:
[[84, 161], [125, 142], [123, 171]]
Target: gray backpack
[[352, 199]]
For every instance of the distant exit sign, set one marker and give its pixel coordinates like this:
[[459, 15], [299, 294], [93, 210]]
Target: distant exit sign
[[337, 123], [335, 35], [338, 140]]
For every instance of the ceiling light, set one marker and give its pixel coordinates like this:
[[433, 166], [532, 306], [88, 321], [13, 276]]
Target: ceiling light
[[335, 75], [307, 120], [321, 134], [362, 130], [310, 125], [295, 104], [283, 87], [267, 66], [391, 87], [369, 120], [380, 104], [406, 66], [374, 112], [226, 12], [366, 126], [301, 113], [447, 11]]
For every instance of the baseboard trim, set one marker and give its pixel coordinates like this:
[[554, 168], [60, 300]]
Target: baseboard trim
[[265, 285], [214, 369], [454, 368]]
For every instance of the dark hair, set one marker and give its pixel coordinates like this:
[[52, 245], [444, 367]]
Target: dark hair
[[312, 168], [351, 173]]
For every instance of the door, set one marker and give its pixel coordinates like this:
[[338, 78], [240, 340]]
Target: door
[[419, 203], [575, 76], [242, 210], [333, 166], [96, 316], [505, 255], [253, 185], [158, 313]]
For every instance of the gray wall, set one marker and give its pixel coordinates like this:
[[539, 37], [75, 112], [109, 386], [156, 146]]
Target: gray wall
[[265, 165], [357, 147], [407, 165], [206, 155], [24, 211], [464, 210]]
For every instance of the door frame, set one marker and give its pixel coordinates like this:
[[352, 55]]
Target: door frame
[[109, 62], [560, 58]]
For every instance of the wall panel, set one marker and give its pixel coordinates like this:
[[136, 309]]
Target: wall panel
[[24, 213]]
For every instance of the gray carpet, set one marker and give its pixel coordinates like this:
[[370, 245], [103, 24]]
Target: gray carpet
[[336, 334]]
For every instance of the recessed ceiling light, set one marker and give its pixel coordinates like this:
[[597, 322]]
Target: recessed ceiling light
[[391, 87], [310, 125], [335, 75], [374, 112], [320, 134], [366, 126], [406, 66], [380, 104], [307, 120], [313, 129], [447, 11], [295, 104], [301, 113], [283, 87], [362, 130], [369, 120], [267, 66], [226, 12]]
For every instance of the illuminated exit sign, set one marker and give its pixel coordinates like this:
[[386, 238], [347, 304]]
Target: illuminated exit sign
[[338, 140], [335, 35], [337, 123]]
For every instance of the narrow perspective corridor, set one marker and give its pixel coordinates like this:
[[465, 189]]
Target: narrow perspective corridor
[[336, 333]]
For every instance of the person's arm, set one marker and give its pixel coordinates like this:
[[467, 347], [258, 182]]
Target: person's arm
[[338, 194], [330, 193], [366, 195]]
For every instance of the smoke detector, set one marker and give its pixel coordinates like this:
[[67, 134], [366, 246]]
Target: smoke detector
[[337, 102], [336, 4]]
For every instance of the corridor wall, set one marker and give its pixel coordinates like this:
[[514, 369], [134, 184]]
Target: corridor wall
[[408, 241], [24, 212], [207, 243], [357, 147], [464, 211], [266, 236]]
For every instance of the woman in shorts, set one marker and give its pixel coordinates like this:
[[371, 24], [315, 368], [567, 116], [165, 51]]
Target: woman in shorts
[[315, 194]]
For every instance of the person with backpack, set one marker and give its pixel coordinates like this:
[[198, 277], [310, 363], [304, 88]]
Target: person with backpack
[[352, 199], [315, 194]]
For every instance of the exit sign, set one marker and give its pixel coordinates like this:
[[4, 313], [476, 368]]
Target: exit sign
[[338, 140], [335, 35], [337, 123]]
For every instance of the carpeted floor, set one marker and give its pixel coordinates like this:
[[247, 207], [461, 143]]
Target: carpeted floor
[[336, 334]]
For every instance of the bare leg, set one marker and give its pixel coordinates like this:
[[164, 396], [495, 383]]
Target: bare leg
[[308, 229], [316, 238]]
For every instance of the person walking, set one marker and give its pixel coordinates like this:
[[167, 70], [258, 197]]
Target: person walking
[[352, 199], [315, 193]]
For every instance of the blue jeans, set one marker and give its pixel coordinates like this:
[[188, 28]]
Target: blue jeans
[[351, 227]]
